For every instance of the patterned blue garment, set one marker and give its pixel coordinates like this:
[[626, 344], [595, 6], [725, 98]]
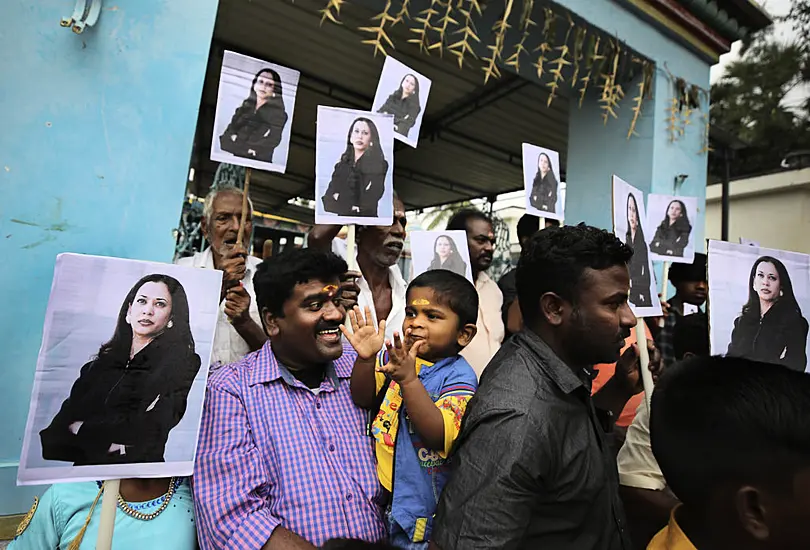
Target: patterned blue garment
[[64, 507]]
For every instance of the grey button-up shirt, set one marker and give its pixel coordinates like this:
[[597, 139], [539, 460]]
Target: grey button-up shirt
[[532, 467]]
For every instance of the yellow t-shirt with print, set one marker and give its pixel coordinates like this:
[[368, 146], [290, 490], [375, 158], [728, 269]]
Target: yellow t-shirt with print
[[385, 424]]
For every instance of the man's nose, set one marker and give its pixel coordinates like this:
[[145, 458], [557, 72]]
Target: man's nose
[[333, 312], [628, 318]]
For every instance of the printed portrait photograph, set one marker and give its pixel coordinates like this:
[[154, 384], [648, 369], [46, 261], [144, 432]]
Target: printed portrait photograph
[[402, 93], [628, 225], [541, 181], [759, 299], [254, 114], [440, 250], [354, 167], [120, 378], [670, 221]]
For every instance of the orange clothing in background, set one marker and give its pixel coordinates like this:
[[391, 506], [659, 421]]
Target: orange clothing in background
[[605, 373]]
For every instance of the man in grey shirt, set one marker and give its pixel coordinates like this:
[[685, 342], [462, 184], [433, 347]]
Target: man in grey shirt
[[533, 467]]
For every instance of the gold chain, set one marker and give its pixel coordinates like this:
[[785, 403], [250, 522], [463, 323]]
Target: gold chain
[[122, 504]]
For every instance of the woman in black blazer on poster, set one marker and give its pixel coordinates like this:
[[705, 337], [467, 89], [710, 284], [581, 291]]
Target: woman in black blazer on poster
[[639, 264], [446, 256], [771, 327], [544, 188], [404, 105], [129, 397], [358, 180], [256, 126], [672, 235]]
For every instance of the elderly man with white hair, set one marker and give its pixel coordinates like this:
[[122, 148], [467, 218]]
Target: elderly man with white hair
[[239, 327]]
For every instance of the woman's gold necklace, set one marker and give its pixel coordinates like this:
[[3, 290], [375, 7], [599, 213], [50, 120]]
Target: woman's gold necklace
[[122, 504]]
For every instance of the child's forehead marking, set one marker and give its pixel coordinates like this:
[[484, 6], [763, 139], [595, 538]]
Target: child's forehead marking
[[420, 302]]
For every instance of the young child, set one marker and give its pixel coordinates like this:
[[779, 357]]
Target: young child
[[417, 389]]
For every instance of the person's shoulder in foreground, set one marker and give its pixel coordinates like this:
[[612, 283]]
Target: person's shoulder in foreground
[[732, 437]]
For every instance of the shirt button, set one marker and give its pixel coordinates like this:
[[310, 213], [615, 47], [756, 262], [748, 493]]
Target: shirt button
[[349, 496], [331, 448], [318, 405]]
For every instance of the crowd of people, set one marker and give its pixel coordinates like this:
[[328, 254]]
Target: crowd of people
[[351, 409]]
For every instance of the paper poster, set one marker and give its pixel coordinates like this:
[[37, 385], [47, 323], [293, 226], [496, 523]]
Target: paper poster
[[671, 221], [758, 303], [354, 167], [628, 225], [440, 250], [541, 182], [403, 93], [254, 115], [120, 378]]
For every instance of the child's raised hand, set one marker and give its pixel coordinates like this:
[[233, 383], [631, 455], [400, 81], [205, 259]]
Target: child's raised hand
[[365, 338], [401, 360]]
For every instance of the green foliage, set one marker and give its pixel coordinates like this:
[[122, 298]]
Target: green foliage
[[749, 102]]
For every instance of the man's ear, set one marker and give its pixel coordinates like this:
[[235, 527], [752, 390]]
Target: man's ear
[[204, 228], [553, 309], [466, 334], [751, 512], [270, 323]]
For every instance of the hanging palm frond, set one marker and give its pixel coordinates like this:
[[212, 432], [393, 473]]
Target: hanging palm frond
[[526, 24], [463, 46], [380, 37], [560, 63], [423, 33], [331, 11], [491, 68], [549, 26]]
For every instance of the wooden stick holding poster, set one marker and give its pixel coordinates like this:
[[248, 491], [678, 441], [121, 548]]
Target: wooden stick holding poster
[[628, 225], [664, 289], [351, 242], [109, 505], [243, 221]]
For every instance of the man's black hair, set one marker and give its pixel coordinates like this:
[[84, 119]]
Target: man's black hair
[[527, 225], [551, 222], [717, 421], [277, 276], [451, 290], [694, 272], [460, 219], [691, 335], [555, 259]]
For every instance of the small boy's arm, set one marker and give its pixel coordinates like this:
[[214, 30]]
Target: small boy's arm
[[425, 416]]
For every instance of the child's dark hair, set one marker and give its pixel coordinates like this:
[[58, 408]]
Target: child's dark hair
[[453, 291]]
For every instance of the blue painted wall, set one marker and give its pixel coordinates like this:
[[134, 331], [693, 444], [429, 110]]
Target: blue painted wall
[[96, 136], [648, 161]]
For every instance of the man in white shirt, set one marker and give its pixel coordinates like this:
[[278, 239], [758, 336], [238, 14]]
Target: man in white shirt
[[380, 284], [481, 242], [239, 327]]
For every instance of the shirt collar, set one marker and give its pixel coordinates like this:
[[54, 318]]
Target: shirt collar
[[672, 536], [562, 375], [265, 368]]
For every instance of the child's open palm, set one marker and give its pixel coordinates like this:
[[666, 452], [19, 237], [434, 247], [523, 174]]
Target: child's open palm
[[401, 364], [366, 339]]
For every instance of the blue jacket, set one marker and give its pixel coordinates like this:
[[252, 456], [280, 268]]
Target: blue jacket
[[420, 473]]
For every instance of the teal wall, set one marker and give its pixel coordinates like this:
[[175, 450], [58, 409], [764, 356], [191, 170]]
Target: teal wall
[[648, 161], [96, 137]]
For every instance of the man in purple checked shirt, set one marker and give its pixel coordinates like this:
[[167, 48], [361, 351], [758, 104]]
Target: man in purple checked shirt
[[283, 459]]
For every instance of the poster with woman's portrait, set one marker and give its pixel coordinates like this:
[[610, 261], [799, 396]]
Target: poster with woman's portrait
[[354, 167], [670, 221], [541, 181], [403, 93], [628, 224], [120, 378], [254, 113], [440, 250], [759, 299]]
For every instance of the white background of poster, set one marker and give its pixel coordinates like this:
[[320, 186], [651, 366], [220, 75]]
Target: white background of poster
[[86, 296], [531, 155], [390, 79], [729, 270], [235, 81], [422, 249], [333, 129], [621, 189], [657, 206]]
